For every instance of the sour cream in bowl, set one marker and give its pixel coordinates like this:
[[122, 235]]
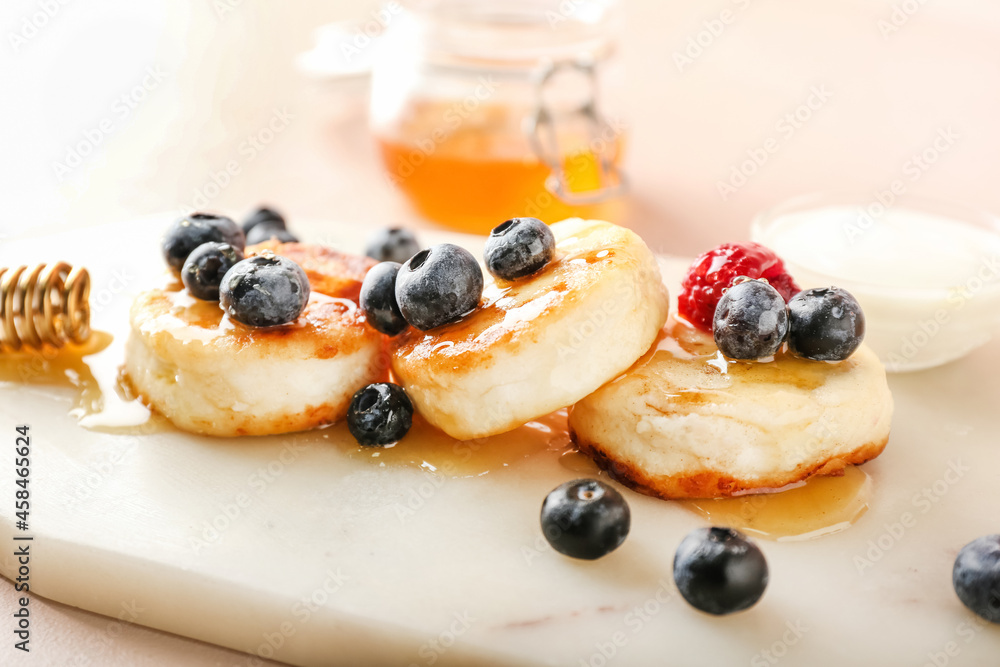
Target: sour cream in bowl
[[926, 273]]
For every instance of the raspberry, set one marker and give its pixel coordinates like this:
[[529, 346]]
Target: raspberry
[[715, 271]]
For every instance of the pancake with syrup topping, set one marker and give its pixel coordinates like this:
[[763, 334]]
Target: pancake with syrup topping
[[540, 343], [685, 422], [209, 374]]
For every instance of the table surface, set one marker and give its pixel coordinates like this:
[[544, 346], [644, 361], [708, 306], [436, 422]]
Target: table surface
[[216, 72]]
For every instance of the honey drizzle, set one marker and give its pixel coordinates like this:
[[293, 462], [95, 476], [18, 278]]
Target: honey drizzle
[[682, 341], [104, 400], [433, 450], [499, 314]]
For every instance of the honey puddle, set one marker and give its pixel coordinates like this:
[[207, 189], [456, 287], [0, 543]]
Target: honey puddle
[[432, 450], [819, 506], [103, 401]]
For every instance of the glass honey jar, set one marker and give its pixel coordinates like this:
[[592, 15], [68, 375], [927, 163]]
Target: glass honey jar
[[484, 111]]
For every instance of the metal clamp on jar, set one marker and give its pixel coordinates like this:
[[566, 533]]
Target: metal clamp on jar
[[485, 111]]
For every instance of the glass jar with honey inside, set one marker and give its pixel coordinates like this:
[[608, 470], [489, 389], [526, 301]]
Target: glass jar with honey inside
[[485, 111]]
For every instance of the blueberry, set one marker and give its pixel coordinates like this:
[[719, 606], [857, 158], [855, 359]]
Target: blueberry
[[750, 321], [976, 577], [266, 231], [189, 232], [585, 519], [378, 299], [263, 215], [380, 414], [720, 571], [206, 265], [825, 324], [438, 285], [264, 291], [518, 248], [392, 245]]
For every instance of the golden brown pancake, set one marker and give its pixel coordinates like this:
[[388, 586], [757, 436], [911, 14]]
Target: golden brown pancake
[[541, 343], [685, 422], [210, 374]]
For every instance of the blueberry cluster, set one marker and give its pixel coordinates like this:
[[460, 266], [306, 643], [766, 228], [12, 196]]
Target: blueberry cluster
[[752, 321], [430, 287], [208, 251], [435, 286]]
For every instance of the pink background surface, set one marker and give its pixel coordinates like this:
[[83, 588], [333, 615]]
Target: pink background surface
[[891, 93]]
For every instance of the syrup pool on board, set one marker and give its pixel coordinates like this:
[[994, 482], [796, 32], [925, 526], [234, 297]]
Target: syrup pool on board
[[103, 400], [813, 508], [436, 452]]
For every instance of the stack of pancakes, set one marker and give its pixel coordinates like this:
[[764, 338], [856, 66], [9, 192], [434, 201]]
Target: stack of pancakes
[[653, 401]]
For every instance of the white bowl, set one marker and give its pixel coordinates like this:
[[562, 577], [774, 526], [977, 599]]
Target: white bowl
[[926, 273]]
